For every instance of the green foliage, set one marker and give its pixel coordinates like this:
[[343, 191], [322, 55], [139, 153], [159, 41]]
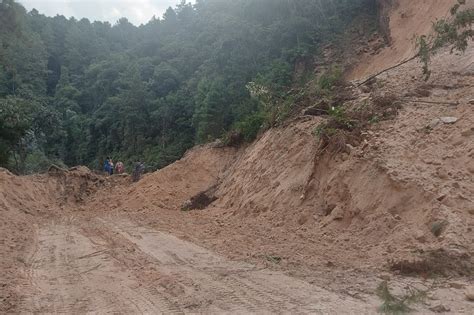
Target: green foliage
[[328, 80], [250, 126], [37, 162], [455, 32], [398, 305], [438, 227], [424, 52], [210, 117], [338, 119], [151, 92], [344, 125], [274, 259], [273, 105], [15, 121]]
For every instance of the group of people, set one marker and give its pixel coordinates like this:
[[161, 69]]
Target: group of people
[[119, 168], [109, 167]]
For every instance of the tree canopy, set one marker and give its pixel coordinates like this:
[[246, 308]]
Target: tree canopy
[[74, 91]]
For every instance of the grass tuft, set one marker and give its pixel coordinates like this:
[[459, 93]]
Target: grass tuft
[[398, 305]]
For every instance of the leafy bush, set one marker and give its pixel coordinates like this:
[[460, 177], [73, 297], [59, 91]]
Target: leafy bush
[[250, 126], [38, 162], [438, 227], [343, 126], [455, 32], [335, 133], [330, 79]]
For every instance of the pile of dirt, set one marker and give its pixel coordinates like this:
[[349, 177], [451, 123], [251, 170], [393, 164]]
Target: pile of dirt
[[24, 203], [172, 186]]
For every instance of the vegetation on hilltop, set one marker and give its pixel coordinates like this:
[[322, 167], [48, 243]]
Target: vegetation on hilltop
[[75, 91]]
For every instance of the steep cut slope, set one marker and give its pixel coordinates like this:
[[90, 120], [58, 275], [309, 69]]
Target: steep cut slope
[[401, 21], [384, 198]]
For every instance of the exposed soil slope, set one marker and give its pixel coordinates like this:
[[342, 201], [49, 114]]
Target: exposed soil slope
[[292, 230], [406, 19]]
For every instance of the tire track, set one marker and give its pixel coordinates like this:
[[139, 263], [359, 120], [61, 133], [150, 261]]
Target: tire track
[[234, 287], [62, 283], [112, 266]]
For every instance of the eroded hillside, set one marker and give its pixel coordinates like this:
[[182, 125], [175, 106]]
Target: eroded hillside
[[291, 229]]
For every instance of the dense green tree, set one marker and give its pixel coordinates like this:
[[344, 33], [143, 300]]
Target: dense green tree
[[76, 91]]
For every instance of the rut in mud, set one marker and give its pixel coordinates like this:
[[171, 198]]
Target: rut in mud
[[113, 265]]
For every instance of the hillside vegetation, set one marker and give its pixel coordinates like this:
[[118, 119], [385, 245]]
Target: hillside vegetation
[[74, 91]]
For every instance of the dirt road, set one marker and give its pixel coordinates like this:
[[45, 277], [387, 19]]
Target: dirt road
[[110, 265]]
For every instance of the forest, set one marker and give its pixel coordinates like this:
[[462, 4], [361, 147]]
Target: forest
[[75, 91]]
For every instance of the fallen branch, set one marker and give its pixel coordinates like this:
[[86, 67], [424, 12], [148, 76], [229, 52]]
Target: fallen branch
[[430, 102], [388, 69]]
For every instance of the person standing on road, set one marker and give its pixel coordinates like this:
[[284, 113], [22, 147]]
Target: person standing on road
[[137, 171], [119, 167], [107, 165], [111, 167]]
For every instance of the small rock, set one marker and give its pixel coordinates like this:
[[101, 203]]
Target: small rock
[[470, 168], [441, 197], [441, 173], [354, 294], [349, 148], [457, 285], [458, 142], [435, 122], [337, 213], [448, 120], [420, 236], [385, 277], [433, 297], [302, 220], [469, 294], [440, 309], [471, 101], [365, 88], [469, 132], [471, 211]]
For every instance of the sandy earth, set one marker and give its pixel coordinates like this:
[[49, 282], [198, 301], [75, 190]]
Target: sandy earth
[[291, 231], [408, 19], [116, 266]]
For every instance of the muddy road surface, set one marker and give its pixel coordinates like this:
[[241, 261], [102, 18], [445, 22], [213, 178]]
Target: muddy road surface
[[110, 265]]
